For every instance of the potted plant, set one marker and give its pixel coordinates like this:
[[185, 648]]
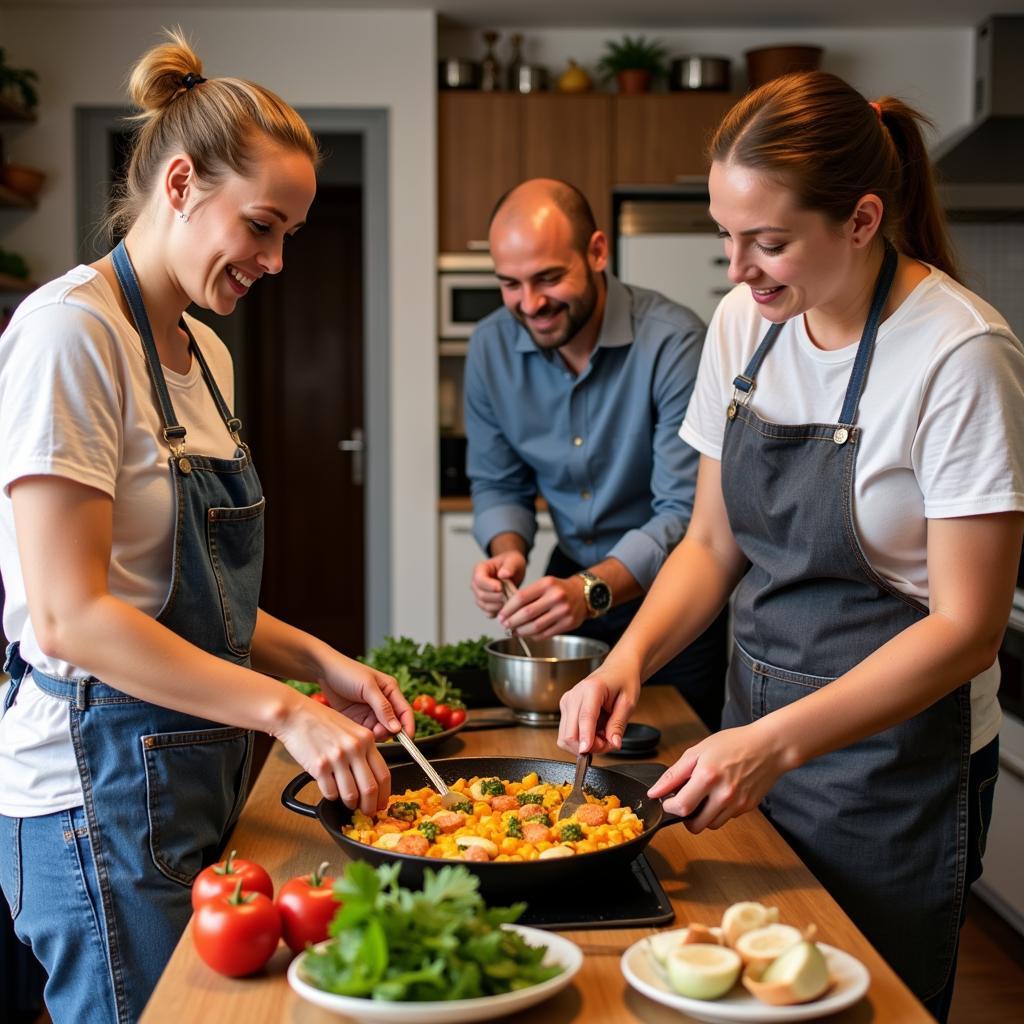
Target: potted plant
[[633, 62], [17, 86]]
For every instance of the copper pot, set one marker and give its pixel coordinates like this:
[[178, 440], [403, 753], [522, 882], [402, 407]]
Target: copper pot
[[768, 62]]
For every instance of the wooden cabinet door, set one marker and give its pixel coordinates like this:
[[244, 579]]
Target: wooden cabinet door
[[662, 136], [479, 159], [569, 137]]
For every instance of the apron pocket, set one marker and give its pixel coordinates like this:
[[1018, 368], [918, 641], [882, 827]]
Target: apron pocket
[[234, 539], [195, 785]]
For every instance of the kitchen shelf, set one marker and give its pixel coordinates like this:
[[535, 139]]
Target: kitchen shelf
[[9, 112], [15, 200], [15, 285]]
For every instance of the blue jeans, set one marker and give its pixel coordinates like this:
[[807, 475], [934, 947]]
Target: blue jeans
[[49, 880]]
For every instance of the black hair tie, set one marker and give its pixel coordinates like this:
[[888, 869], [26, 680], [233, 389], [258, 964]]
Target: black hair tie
[[192, 79]]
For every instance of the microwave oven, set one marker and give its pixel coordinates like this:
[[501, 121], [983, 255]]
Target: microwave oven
[[467, 291]]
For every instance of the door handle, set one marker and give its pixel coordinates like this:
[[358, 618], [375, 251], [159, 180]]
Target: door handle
[[356, 446]]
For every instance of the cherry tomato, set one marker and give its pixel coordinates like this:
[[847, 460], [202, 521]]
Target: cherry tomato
[[307, 906], [442, 715], [425, 704], [320, 697], [456, 717], [219, 880], [237, 934]]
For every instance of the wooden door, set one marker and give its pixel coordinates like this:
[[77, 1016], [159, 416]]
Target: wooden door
[[304, 380], [569, 137], [660, 136], [479, 159]]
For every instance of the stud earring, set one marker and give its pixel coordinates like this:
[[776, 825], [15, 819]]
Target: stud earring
[[183, 216]]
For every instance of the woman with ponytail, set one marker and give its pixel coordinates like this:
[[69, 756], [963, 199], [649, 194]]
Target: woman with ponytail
[[131, 549], [861, 488]]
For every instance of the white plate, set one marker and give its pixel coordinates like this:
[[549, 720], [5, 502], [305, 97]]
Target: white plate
[[453, 1011], [646, 975]]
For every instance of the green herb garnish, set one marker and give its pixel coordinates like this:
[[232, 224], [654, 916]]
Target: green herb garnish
[[571, 833], [544, 819], [492, 787], [529, 798], [465, 806], [513, 827], [430, 830], [439, 943]]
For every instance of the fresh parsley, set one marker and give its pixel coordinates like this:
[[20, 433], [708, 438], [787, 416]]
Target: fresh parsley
[[442, 942]]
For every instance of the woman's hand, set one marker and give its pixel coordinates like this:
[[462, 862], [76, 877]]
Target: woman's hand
[[371, 698], [595, 711], [723, 776], [339, 750]]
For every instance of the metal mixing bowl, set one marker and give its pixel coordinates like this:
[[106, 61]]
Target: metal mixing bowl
[[532, 687]]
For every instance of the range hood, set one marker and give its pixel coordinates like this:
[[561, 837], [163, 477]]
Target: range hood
[[981, 167]]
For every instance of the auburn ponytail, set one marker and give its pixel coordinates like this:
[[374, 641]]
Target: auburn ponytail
[[821, 138]]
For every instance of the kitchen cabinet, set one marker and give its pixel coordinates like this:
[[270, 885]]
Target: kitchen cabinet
[[569, 137], [488, 142], [1001, 884], [479, 152], [460, 616], [660, 137]]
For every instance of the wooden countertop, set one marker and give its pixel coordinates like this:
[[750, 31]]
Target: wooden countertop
[[702, 875], [465, 504]]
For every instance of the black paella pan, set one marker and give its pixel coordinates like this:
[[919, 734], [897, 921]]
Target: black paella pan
[[509, 880]]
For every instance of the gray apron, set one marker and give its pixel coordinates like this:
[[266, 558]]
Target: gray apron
[[881, 823]]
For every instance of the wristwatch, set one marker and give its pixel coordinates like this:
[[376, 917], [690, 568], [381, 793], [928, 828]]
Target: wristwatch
[[596, 593]]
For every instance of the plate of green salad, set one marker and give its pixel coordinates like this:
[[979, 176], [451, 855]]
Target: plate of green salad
[[438, 955]]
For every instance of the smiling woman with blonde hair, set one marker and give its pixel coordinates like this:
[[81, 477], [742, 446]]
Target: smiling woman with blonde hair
[[861, 487], [131, 548]]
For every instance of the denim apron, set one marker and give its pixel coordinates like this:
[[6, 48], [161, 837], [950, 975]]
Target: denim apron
[[161, 788], [881, 823]]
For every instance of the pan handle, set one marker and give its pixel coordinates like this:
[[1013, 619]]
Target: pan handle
[[648, 772], [290, 796]]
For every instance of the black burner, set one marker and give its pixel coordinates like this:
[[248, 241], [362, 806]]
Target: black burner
[[635, 901]]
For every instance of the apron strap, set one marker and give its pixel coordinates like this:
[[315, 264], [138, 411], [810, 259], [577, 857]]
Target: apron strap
[[174, 432], [866, 347], [747, 381], [233, 423]]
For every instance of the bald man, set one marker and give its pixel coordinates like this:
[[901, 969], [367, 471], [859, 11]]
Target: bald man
[[576, 390]]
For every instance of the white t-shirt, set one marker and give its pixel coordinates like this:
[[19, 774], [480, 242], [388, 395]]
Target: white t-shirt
[[76, 401], [942, 418]]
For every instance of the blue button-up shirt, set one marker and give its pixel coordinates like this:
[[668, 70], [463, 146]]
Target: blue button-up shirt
[[602, 448]]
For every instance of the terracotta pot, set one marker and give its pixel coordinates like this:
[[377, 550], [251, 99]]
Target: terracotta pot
[[634, 81], [26, 181], [768, 62]]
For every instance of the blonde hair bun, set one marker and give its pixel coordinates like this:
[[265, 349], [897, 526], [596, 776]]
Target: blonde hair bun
[[158, 76]]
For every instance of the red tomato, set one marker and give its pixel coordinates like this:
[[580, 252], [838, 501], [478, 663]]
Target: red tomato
[[442, 715], [456, 717], [425, 704], [219, 880], [307, 905], [320, 697], [237, 934]]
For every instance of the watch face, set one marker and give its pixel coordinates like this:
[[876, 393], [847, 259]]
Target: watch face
[[600, 597]]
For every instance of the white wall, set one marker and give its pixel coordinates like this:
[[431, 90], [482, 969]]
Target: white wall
[[929, 68], [312, 58]]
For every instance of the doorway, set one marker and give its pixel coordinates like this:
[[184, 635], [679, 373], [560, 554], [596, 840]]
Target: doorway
[[303, 389], [311, 371]]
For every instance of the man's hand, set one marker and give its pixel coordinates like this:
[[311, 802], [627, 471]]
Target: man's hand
[[546, 607], [487, 577]]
